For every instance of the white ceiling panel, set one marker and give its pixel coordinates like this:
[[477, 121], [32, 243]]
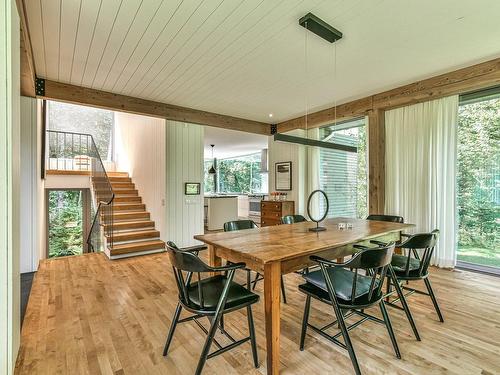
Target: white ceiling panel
[[246, 58]]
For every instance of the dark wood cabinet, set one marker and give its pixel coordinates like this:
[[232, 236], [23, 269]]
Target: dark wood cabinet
[[271, 212]]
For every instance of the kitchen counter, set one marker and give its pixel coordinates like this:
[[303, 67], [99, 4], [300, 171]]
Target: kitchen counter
[[220, 209]]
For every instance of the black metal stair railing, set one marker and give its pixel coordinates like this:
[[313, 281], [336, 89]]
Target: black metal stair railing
[[68, 151]]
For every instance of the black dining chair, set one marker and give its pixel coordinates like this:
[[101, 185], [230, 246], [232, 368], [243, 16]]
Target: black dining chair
[[250, 224], [292, 219], [389, 291], [210, 297], [389, 218], [413, 265], [349, 293]]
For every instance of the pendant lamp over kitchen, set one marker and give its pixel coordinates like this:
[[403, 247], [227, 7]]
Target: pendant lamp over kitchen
[[212, 168]]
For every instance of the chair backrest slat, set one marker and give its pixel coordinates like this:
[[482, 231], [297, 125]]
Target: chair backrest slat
[[239, 225], [354, 283], [389, 218], [292, 219]]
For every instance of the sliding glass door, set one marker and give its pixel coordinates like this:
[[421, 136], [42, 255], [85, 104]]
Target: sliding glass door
[[478, 181]]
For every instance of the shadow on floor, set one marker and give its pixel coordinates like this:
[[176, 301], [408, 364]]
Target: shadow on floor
[[26, 281]]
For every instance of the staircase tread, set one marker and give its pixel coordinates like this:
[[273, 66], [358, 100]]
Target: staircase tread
[[133, 222], [135, 233], [137, 244]]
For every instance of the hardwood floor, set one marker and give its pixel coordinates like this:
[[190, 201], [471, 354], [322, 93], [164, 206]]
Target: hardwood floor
[[89, 315]]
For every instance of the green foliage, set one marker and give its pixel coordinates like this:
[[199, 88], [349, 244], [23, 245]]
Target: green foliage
[[238, 175], [478, 182], [78, 119], [65, 223]]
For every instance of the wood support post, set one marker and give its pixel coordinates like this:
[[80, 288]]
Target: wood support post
[[376, 161]]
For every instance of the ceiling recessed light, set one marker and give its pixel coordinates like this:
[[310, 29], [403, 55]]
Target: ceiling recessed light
[[270, 115]]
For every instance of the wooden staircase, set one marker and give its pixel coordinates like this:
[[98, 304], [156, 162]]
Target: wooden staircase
[[134, 232]]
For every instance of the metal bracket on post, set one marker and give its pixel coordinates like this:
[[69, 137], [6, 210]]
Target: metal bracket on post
[[39, 86], [274, 129]]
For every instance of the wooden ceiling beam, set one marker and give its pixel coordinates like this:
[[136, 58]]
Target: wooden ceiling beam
[[472, 78], [28, 74], [95, 98]]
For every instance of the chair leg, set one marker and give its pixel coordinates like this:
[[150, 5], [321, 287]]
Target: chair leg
[[433, 298], [283, 289], [305, 320], [208, 343], [388, 289], [257, 275], [249, 282], [405, 305], [347, 339], [389, 328], [172, 329], [251, 329]]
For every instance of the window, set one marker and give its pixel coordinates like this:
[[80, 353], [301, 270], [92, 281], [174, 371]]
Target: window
[[79, 119], [237, 175], [343, 175], [478, 179]]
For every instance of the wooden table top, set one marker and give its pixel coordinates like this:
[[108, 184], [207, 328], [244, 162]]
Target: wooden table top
[[282, 242]]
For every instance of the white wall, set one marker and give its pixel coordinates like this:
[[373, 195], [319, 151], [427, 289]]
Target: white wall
[[184, 145], [280, 152], [9, 186], [29, 183], [140, 151]]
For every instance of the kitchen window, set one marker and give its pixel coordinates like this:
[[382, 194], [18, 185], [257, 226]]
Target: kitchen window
[[238, 175]]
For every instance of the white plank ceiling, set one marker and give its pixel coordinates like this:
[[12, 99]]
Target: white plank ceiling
[[246, 58]]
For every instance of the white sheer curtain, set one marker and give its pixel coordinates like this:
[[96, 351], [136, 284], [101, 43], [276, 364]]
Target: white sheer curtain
[[421, 169]]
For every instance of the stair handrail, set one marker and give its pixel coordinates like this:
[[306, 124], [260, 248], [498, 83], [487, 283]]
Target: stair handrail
[[103, 206]]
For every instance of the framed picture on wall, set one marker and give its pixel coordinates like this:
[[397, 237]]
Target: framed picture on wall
[[283, 175], [192, 188]]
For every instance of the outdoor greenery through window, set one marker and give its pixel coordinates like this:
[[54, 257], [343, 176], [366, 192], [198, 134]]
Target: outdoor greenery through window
[[478, 181], [65, 224], [239, 175], [343, 175], [88, 120]]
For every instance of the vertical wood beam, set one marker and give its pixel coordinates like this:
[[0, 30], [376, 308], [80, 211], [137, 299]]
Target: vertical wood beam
[[376, 161]]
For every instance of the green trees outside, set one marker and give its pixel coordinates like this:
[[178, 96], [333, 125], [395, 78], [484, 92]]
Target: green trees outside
[[236, 175], [65, 223], [78, 119], [478, 182]]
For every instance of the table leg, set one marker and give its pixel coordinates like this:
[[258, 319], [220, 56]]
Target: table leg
[[272, 283], [213, 259]]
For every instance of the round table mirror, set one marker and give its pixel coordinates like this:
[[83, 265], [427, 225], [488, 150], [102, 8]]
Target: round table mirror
[[314, 202]]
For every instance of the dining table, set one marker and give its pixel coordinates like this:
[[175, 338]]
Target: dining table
[[276, 250]]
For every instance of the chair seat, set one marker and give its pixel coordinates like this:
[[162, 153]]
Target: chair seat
[[342, 280], [399, 263], [212, 289]]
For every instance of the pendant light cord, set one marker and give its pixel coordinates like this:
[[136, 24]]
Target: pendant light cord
[[307, 79]]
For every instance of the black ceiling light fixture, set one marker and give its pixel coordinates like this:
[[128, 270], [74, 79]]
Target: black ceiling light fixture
[[212, 168], [320, 27]]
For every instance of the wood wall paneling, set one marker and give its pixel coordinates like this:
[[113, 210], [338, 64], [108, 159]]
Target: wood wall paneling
[[184, 155], [140, 151]]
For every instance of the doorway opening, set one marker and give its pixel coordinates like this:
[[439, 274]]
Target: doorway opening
[[68, 213]]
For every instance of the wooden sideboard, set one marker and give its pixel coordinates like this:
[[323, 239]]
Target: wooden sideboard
[[271, 212]]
